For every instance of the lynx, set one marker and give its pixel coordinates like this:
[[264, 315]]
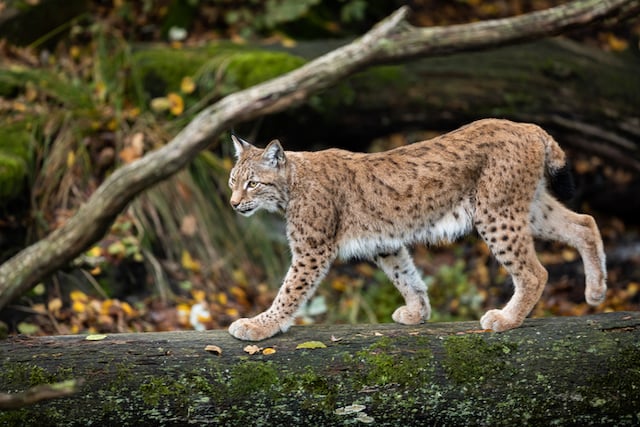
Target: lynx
[[491, 174]]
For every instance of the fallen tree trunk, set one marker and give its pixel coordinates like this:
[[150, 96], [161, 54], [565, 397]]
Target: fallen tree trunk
[[563, 371], [392, 40], [585, 97]]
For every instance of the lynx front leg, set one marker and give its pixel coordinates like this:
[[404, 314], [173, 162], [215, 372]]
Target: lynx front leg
[[300, 283], [399, 267]]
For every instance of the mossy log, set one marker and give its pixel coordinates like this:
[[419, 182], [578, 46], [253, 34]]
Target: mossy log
[[556, 371], [583, 95]]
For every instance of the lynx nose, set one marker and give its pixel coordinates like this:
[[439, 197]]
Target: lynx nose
[[234, 204]]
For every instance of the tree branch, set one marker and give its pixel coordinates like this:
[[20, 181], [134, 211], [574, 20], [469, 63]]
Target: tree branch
[[392, 40]]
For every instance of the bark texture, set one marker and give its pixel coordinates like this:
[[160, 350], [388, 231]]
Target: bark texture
[[558, 371], [392, 40]]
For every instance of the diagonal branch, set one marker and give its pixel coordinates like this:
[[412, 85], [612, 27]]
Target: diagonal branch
[[392, 40]]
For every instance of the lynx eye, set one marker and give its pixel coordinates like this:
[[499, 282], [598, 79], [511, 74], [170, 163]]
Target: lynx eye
[[252, 184]]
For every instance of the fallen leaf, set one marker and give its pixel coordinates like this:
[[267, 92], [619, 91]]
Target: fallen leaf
[[95, 337], [252, 349], [54, 305], [189, 263], [268, 351], [160, 104], [213, 349], [335, 339], [71, 159], [28, 328], [311, 345], [189, 225], [187, 85], [176, 104]]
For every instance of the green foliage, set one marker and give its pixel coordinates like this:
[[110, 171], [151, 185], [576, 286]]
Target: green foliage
[[453, 297], [275, 12], [15, 158]]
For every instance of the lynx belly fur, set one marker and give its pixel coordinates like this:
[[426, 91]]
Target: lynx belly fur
[[490, 175]]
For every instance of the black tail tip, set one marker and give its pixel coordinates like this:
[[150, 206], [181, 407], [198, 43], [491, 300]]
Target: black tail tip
[[562, 183]]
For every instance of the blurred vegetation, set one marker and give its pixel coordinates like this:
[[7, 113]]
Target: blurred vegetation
[[92, 95]]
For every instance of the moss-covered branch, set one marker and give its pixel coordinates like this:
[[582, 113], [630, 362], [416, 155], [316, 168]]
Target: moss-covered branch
[[392, 40], [561, 371]]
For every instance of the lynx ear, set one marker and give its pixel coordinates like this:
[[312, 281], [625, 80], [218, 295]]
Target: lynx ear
[[239, 144], [274, 154]]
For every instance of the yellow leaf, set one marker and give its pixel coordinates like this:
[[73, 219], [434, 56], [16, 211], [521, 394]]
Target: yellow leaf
[[127, 309], [222, 298], [187, 85], [288, 42], [311, 345], [188, 263], [106, 305], [238, 292], [616, 43], [183, 311], [198, 295], [232, 312], [95, 251], [79, 307], [239, 277], [95, 271], [78, 296], [268, 351], [96, 337], [71, 159], [176, 104]]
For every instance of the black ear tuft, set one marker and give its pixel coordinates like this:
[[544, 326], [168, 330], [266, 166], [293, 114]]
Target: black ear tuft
[[239, 144], [562, 184], [274, 154]]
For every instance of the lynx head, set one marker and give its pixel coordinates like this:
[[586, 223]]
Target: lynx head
[[258, 179]]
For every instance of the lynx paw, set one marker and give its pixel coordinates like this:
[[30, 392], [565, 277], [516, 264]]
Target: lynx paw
[[405, 316], [252, 329], [596, 294], [498, 321]]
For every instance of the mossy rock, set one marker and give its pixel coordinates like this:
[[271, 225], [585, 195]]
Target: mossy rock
[[15, 155]]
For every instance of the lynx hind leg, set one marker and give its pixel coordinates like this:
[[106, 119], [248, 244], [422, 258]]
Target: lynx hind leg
[[509, 238], [550, 220], [399, 267]]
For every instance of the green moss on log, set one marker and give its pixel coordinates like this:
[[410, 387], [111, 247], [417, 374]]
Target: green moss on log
[[221, 67], [15, 154], [573, 373]]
